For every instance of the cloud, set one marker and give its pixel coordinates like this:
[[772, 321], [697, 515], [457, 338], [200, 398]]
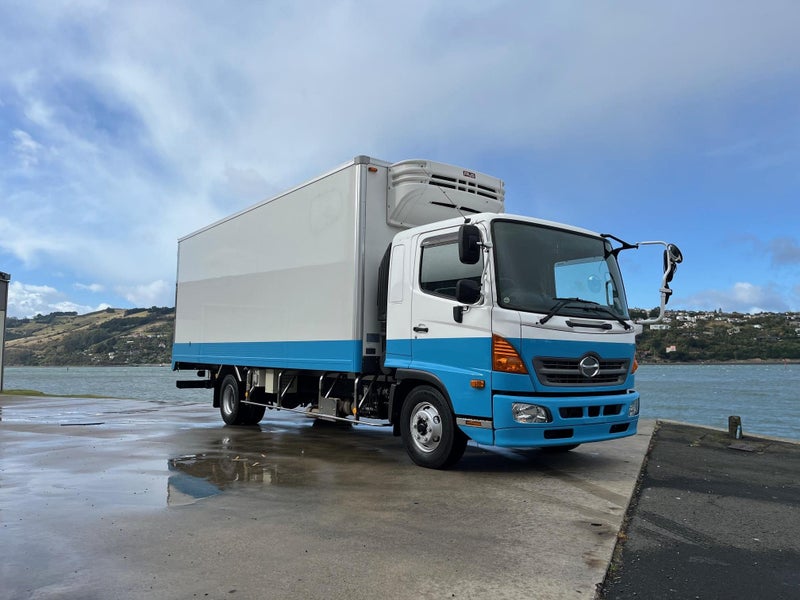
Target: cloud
[[244, 184], [27, 300], [26, 147], [148, 294], [784, 251], [743, 297], [91, 287], [128, 140], [20, 235], [280, 83]]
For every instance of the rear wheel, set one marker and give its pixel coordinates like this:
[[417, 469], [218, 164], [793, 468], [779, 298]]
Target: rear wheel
[[231, 408], [428, 426], [254, 414]]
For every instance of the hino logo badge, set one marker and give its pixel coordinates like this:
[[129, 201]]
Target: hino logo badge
[[589, 366]]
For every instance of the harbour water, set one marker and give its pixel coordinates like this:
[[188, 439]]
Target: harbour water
[[766, 397]]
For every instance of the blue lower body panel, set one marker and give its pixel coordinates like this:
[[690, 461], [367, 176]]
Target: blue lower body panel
[[575, 420], [335, 355], [480, 435]]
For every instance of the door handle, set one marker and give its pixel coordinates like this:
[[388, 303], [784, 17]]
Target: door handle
[[421, 328]]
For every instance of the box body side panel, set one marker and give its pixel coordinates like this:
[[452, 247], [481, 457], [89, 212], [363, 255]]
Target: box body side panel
[[276, 284]]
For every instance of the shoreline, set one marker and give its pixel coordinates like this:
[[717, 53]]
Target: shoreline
[[711, 361], [750, 361]]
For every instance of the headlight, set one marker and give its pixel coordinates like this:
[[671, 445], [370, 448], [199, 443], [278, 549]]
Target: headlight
[[634, 408], [530, 413]]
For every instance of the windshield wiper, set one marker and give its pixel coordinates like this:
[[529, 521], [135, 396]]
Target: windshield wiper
[[592, 305], [611, 313], [560, 303]]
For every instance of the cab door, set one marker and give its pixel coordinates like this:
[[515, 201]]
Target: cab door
[[458, 354]]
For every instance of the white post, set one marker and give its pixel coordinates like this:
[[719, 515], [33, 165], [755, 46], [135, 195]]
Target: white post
[[4, 279]]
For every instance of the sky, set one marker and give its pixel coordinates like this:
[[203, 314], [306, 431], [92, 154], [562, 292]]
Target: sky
[[125, 125]]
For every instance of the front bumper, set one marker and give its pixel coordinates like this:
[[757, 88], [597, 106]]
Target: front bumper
[[575, 420]]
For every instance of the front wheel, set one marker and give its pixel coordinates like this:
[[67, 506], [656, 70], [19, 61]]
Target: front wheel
[[428, 426]]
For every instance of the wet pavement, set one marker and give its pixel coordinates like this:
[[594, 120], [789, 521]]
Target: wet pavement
[[103, 498]]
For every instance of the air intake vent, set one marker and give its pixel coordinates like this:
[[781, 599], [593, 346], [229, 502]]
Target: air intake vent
[[465, 185], [424, 192]]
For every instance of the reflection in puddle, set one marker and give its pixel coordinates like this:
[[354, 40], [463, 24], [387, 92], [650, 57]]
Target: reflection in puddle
[[196, 476], [183, 488], [280, 452]]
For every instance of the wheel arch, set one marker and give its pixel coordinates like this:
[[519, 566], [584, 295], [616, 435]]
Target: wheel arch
[[407, 380]]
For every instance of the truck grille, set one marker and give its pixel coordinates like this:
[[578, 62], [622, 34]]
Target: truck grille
[[568, 372]]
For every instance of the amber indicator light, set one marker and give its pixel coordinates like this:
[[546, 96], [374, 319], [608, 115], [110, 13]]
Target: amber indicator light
[[505, 358]]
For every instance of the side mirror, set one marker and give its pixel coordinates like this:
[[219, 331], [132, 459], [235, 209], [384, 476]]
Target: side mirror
[[467, 291], [672, 258], [469, 249]]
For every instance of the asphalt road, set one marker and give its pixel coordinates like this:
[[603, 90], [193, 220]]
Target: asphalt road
[[714, 518], [103, 498]]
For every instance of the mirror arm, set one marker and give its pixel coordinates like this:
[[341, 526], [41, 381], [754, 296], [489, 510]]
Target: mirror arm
[[458, 313], [625, 245]]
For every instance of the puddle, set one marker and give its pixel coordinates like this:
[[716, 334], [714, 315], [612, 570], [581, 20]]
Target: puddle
[[183, 488], [236, 462], [198, 476]]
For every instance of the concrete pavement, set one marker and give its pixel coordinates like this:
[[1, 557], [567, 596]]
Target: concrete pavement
[[103, 498]]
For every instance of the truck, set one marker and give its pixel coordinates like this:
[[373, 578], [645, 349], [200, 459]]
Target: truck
[[402, 295]]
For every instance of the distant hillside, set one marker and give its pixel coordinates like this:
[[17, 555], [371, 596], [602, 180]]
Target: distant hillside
[[703, 336], [110, 337], [144, 336]]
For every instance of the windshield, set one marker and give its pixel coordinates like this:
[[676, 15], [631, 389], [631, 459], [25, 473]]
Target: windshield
[[538, 267]]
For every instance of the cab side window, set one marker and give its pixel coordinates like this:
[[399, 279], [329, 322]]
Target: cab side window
[[440, 268]]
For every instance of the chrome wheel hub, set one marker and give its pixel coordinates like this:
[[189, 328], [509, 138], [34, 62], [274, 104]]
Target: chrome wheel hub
[[426, 427], [228, 403]]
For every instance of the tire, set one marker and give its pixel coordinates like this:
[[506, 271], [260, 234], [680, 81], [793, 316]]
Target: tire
[[253, 414], [231, 407], [230, 402], [429, 430]]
